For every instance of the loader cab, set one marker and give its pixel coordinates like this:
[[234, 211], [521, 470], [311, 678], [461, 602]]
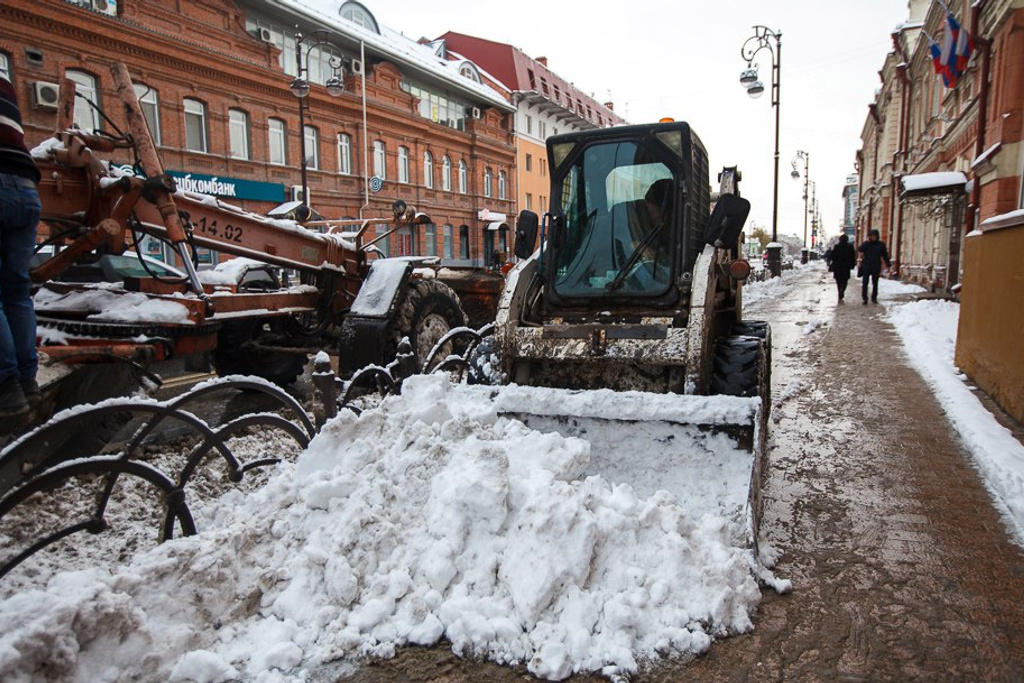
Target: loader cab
[[626, 204]]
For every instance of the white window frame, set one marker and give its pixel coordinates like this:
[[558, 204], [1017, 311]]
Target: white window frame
[[380, 159], [428, 169], [344, 154], [463, 177], [195, 111], [446, 173], [150, 103], [487, 182], [277, 142], [238, 133], [311, 147], [87, 117], [502, 185], [403, 164]]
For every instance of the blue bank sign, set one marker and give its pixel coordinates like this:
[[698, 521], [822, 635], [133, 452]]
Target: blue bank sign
[[229, 188]]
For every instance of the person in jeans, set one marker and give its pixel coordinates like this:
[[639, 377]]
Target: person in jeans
[[872, 254], [19, 217]]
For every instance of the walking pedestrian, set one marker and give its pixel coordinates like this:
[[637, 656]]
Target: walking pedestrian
[[872, 253], [19, 217], [843, 259]]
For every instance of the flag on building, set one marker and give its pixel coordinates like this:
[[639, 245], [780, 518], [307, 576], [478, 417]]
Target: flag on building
[[964, 47], [940, 69], [948, 58]]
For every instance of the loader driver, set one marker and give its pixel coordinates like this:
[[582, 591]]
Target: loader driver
[[647, 267]]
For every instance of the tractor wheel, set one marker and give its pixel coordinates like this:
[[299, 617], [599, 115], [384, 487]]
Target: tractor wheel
[[426, 311], [236, 354], [763, 331], [737, 366]]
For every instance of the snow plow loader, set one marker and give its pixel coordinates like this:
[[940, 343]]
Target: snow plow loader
[[627, 323]]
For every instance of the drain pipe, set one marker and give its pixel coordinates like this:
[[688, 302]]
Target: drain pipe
[[984, 46], [366, 134]]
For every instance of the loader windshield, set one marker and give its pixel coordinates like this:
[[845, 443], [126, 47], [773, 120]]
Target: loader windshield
[[617, 203]]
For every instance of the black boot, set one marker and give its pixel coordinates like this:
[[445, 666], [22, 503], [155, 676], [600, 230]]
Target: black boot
[[12, 398]]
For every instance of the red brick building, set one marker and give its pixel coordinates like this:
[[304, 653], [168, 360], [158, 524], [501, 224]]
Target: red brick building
[[213, 77]]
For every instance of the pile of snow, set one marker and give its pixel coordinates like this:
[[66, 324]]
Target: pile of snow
[[427, 518], [928, 331], [110, 302]]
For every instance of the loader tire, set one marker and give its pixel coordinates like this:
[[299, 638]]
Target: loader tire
[[763, 331], [737, 367], [235, 354], [426, 311]]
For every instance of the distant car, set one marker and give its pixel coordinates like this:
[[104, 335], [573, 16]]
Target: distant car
[[110, 267]]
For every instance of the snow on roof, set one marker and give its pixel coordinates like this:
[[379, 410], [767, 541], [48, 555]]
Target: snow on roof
[[395, 45], [932, 181], [984, 156]]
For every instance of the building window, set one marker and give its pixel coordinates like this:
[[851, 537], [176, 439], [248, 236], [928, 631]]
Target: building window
[[379, 159], [344, 153], [440, 108], [357, 14], [463, 177], [446, 173], [5, 66], [529, 202], [529, 125], [86, 114], [382, 230], [502, 185], [277, 149], [529, 163], [403, 164], [238, 133], [428, 169], [542, 128], [449, 247], [150, 110], [431, 239], [464, 241], [195, 126], [487, 182], [311, 146]]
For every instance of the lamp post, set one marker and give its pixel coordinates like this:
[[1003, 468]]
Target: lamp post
[[800, 154], [300, 87], [761, 40]]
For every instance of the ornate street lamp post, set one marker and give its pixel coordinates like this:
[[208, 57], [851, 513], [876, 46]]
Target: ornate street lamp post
[[300, 88], [761, 40], [800, 154]]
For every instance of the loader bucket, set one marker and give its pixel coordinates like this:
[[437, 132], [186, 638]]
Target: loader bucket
[[708, 452]]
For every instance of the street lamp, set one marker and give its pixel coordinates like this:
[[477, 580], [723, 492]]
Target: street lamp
[[300, 88], [800, 154], [755, 88]]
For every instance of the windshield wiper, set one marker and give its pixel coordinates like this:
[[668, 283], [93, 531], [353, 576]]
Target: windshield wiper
[[620, 276]]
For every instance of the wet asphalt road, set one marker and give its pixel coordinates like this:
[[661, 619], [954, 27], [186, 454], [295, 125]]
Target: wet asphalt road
[[901, 567]]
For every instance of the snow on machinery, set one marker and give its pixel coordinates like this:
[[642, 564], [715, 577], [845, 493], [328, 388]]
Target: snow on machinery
[[343, 298], [631, 312]]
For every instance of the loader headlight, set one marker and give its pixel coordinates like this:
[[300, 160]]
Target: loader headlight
[[739, 270]]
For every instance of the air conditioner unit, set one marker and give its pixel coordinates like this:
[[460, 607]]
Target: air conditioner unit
[[476, 112], [46, 94], [297, 194], [108, 7], [357, 67], [265, 35]]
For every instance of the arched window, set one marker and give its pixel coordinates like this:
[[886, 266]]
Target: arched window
[[195, 125], [86, 115], [238, 133], [487, 182], [148, 100], [469, 70], [276, 145], [379, 159], [502, 185], [344, 153], [446, 173], [403, 164], [463, 177], [311, 146], [428, 169], [357, 14]]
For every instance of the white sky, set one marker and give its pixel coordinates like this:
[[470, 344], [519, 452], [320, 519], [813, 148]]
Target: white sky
[[682, 59]]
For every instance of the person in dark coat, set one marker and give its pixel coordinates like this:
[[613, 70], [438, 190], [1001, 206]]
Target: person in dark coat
[[842, 259], [872, 254]]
